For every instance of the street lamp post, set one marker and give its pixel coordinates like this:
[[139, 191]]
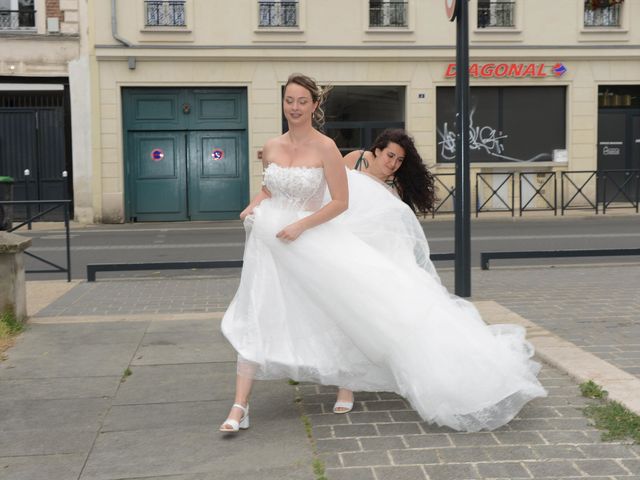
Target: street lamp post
[[459, 10]]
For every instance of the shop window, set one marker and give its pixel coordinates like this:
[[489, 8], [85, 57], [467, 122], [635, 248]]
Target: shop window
[[602, 13], [388, 13], [277, 14], [496, 13], [356, 115], [507, 124], [162, 13], [619, 96], [17, 15]]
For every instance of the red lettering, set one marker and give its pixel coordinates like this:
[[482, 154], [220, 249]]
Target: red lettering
[[451, 71], [541, 72], [530, 71], [515, 69], [501, 70], [486, 70]]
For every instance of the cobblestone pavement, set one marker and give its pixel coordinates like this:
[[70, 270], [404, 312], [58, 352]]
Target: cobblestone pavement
[[383, 439], [597, 307]]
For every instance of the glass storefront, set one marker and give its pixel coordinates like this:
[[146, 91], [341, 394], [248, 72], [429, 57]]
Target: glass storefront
[[356, 115], [508, 124]]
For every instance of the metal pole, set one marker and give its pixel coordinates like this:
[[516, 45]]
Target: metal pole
[[462, 201], [27, 174], [67, 240]]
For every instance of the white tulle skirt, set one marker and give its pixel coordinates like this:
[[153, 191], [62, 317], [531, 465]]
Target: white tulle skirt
[[356, 302]]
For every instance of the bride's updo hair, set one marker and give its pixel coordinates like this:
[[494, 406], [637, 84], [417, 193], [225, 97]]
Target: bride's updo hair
[[318, 94]]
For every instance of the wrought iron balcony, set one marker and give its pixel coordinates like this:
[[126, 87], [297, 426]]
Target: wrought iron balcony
[[278, 14], [602, 17], [496, 14], [17, 19], [387, 14], [162, 13]]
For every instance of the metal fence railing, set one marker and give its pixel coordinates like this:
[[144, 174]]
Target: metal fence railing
[[538, 190], [163, 13], [620, 188], [388, 14], [17, 19], [602, 17], [496, 14], [531, 191], [502, 193], [278, 14], [49, 206]]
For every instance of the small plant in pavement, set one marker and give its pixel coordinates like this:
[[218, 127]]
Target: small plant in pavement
[[9, 327], [617, 421], [591, 389], [127, 373]]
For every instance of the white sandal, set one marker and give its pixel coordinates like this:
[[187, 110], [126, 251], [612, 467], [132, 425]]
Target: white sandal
[[234, 424], [347, 406]]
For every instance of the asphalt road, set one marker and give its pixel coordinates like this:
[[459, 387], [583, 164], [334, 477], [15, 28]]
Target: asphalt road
[[164, 242]]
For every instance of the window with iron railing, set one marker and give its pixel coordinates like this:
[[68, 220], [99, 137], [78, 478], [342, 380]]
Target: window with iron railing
[[162, 13], [602, 13], [277, 14], [387, 13], [17, 15], [495, 14]]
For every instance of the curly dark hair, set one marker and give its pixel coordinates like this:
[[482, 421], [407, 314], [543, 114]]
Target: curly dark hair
[[414, 182]]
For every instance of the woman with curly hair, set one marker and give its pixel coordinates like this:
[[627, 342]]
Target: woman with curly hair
[[394, 160]]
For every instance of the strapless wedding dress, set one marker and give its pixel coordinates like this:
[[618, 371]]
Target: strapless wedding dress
[[356, 302]]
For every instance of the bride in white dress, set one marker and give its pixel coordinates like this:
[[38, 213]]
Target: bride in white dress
[[350, 297]]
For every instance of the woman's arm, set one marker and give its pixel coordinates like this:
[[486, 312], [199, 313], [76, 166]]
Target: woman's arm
[[336, 177]]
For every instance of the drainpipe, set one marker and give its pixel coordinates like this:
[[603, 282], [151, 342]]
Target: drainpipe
[[114, 26]]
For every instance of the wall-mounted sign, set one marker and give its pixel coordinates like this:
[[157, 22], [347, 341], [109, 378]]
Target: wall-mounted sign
[[510, 70], [612, 149], [157, 154], [217, 154]]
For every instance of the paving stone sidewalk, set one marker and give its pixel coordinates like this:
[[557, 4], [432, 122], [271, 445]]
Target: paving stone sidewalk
[[68, 410], [595, 307], [382, 439]]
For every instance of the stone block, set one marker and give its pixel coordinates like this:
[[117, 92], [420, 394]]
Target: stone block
[[13, 292]]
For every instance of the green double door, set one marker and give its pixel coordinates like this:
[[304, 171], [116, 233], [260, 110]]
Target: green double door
[[186, 153]]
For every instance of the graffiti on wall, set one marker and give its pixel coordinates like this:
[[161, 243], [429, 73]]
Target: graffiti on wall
[[483, 138]]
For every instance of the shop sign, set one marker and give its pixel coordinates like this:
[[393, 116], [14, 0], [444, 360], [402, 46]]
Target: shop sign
[[611, 149], [510, 70]]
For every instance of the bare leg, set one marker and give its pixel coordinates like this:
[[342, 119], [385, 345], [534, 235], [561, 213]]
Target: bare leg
[[243, 390], [344, 395], [244, 382]]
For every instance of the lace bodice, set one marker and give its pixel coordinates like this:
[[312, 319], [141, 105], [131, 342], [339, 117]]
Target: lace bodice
[[295, 187]]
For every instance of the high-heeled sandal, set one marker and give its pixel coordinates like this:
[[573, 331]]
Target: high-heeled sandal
[[234, 424]]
